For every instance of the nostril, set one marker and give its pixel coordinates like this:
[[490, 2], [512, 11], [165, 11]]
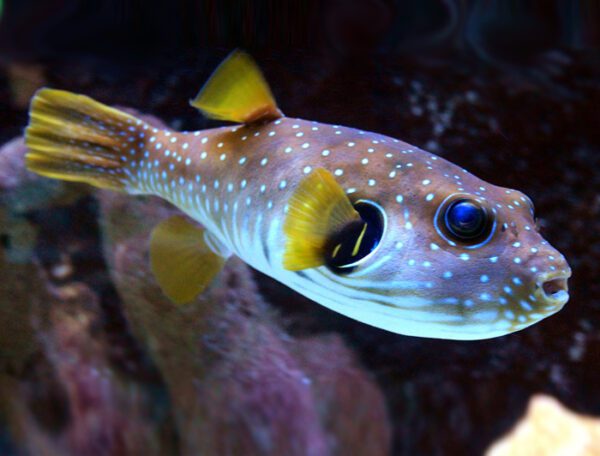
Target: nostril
[[555, 288]]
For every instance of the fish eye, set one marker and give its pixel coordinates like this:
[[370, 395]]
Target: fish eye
[[467, 221], [356, 241]]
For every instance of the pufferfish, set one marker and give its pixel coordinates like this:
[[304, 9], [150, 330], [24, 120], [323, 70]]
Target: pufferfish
[[366, 225]]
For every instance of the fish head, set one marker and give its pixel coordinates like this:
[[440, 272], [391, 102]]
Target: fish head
[[458, 258]]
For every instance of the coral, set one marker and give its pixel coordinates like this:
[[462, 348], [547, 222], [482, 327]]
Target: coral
[[61, 393], [239, 384], [72, 400], [235, 382]]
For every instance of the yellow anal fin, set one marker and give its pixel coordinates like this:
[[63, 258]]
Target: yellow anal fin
[[75, 138], [318, 209], [182, 262], [238, 92]]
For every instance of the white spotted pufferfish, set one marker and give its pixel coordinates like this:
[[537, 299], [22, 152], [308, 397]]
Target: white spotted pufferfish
[[364, 224]]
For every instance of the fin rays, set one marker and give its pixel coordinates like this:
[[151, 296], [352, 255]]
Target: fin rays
[[237, 92], [317, 209], [182, 262], [75, 138]]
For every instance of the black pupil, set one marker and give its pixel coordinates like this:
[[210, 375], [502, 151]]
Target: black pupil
[[355, 241], [466, 219]]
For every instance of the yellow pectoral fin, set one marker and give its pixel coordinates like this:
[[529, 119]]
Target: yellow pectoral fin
[[318, 209], [180, 259], [237, 92]]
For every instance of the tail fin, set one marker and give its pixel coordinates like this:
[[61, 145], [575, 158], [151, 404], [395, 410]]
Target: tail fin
[[75, 138]]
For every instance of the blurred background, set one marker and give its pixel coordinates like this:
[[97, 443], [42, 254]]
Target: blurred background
[[94, 361]]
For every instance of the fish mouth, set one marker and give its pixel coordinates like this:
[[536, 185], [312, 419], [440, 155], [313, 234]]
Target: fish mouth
[[552, 288]]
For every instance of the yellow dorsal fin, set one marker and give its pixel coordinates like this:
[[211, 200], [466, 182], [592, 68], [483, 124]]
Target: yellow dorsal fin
[[182, 262], [318, 209], [237, 92]]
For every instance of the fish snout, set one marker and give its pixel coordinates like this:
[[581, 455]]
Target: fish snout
[[552, 288], [550, 277]]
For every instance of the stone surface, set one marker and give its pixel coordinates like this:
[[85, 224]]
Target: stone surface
[[550, 429]]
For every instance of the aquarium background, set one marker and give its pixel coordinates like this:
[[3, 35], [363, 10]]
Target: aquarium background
[[94, 360]]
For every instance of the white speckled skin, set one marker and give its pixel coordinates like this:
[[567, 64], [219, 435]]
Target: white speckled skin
[[237, 181]]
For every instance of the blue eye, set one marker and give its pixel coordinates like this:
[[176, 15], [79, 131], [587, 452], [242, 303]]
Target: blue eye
[[466, 220]]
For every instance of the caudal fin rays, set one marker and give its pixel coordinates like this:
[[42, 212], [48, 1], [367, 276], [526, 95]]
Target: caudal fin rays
[[72, 137]]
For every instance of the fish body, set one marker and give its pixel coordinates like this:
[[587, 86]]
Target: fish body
[[354, 220]]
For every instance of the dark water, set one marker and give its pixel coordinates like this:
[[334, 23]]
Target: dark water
[[510, 92]]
